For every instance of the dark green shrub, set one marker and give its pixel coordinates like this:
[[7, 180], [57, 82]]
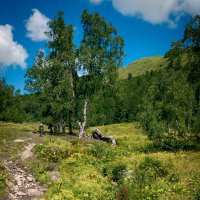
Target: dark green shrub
[[102, 151], [149, 170], [142, 184], [173, 142], [105, 171], [117, 172]]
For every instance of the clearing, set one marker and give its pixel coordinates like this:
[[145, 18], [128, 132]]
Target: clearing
[[72, 168]]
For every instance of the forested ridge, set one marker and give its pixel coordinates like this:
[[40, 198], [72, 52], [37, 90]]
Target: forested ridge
[[165, 100]]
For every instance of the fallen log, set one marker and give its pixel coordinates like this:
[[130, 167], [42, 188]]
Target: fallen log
[[96, 134]]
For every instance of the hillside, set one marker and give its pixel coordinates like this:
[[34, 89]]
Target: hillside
[[72, 168], [143, 65]]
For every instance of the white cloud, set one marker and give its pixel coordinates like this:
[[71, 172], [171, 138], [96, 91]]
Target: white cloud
[[95, 1], [36, 26], [11, 53], [158, 11], [192, 7]]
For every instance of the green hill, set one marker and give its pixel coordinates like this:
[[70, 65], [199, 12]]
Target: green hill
[[143, 65]]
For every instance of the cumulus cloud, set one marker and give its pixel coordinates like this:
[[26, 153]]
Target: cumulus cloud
[[11, 52], [158, 11], [95, 1], [36, 26], [154, 11]]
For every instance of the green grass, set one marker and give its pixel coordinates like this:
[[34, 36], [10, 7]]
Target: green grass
[[143, 65], [10, 132], [8, 148], [95, 170]]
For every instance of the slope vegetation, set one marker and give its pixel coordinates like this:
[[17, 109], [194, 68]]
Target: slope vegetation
[[73, 168], [143, 65]]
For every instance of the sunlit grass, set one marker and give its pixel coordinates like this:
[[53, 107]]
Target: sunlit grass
[[87, 162], [142, 66]]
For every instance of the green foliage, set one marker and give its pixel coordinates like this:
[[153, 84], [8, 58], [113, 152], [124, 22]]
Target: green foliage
[[102, 151], [150, 170], [142, 183], [51, 154], [51, 76], [54, 152], [196, 194], [166, 102], [118, 171], [55, 77], [173, 178], [10, 103]]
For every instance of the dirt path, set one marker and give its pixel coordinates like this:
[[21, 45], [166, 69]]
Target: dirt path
[[22, 185]]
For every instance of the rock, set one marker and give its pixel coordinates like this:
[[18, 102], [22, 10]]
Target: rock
[[33, 192], [20, 171], [18, 140], [12, 196], [30, 179], [54, 175], [19, 183], [127, 174], [114, 183], [20, 193]]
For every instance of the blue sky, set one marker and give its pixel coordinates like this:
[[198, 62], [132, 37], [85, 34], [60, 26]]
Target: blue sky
[[148, 27]]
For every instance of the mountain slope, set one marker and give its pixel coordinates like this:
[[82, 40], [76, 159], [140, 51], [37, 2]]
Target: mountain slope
[[143, 65]]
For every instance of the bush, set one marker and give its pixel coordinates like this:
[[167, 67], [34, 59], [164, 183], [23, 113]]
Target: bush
[[51, 154], [146, 181], [102, 151], [149, 170], [117, 172]]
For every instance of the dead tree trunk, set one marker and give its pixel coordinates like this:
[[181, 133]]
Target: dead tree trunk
[[96, 134], [83, 124]]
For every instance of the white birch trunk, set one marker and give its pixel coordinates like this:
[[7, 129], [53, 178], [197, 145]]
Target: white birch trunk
[[73, 97], [83, 124]]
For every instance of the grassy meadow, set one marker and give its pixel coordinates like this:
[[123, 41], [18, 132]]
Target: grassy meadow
[[142, 66], [89, 169]]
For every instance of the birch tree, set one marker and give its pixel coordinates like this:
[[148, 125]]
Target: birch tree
[[100, 54]]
